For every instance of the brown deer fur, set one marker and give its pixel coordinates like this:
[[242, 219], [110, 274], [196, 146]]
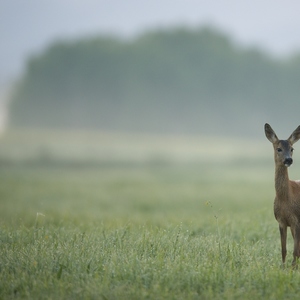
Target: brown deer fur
[[287, 199]]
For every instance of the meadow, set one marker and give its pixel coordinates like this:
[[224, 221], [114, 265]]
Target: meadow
[[108, 216]]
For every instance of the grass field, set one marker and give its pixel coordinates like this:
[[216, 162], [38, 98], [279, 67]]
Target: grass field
[[94, 216]]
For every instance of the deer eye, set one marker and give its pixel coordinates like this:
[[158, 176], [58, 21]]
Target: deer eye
[[292, 149], [279, 150]]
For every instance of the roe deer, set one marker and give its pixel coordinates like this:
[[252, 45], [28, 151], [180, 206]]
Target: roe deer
[[287, 199]]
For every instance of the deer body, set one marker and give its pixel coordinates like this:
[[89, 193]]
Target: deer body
[[287, 199]]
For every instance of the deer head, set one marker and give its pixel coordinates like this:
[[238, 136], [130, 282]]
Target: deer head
[[283, 149]]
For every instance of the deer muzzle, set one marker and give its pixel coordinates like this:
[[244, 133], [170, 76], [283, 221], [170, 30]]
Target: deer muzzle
[[288, 161]]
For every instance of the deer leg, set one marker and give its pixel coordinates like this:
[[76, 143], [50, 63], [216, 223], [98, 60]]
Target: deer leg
[[296, 252], [283, 235]]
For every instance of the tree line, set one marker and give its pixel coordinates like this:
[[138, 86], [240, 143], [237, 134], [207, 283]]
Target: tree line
[[164, 81]]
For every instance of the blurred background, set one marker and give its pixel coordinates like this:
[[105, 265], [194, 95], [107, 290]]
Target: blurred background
[[115, 77]]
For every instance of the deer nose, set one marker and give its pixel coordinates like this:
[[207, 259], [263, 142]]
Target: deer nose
[[288, 161]]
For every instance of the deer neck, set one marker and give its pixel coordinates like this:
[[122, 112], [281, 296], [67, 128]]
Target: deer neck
[[282, 186]]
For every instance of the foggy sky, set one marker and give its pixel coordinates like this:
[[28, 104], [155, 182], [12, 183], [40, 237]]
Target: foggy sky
[[26, 27]]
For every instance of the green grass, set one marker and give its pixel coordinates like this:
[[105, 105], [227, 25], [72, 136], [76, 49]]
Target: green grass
[[141, 231]]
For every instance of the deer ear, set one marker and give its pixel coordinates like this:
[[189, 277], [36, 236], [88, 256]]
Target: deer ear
[[270, 134], [295, 136]]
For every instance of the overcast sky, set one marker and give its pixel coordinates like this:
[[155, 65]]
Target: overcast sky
[[28, 26]]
